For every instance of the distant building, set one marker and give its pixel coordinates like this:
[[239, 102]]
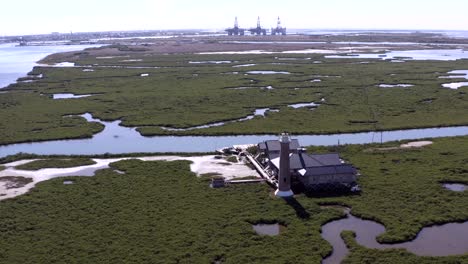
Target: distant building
[[311, 170]]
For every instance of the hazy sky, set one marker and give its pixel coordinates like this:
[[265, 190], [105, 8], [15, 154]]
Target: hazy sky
[[45, 16]]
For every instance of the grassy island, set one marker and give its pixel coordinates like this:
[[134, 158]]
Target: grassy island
[[161, 212]]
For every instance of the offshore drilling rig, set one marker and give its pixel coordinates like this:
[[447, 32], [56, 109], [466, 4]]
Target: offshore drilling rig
[[258, 30], [279, 30], [235, 30]]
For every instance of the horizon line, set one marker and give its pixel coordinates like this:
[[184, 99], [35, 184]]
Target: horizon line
[[218, 30]]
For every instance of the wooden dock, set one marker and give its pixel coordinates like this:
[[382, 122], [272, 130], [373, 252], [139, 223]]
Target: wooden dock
[[265, 175], [245, 181]]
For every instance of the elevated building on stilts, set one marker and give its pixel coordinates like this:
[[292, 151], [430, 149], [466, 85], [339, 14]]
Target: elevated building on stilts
[[286, 161]]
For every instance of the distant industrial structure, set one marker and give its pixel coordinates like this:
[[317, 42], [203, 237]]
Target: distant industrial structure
[[258, 30], [237, 31], [279, 30]]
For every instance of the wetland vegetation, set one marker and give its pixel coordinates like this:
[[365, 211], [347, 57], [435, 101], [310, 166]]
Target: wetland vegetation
[[178, 94], [13, 182], [409, 179], [55, 163], [161, 212], [359, 254]]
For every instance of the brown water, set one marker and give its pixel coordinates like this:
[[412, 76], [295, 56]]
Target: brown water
[[441, 240]]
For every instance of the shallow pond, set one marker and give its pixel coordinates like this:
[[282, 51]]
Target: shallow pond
[[69, 96], [268, 72], [395, 85], [243, 65], [301, 105], [456, 187], [457, 74], [269, 87], [455, 85], [210, 62], [443, 55], [292, 59], [440, 240]]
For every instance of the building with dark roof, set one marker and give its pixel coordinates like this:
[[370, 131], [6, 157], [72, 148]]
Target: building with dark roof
[[311, 170]]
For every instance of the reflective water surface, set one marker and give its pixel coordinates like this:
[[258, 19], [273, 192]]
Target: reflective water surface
[[440, 240], [119, 139], [16, 62], [443, 55], [402, 85], [69, 96], [456, 187]]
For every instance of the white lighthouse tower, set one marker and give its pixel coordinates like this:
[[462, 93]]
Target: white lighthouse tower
[[284, 177]]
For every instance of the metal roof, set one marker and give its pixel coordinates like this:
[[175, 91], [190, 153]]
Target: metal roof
[[303, 160], [321, 159], [307, 164], [294, 161], [330, 170], [274, 145]]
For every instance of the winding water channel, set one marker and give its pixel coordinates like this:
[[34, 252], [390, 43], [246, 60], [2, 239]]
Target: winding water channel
[[118, 139], [440, 240], [448, 239]]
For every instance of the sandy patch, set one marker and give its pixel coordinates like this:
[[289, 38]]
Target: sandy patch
[[6, 190], [208, 164], [416, 144], [200, 165]]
